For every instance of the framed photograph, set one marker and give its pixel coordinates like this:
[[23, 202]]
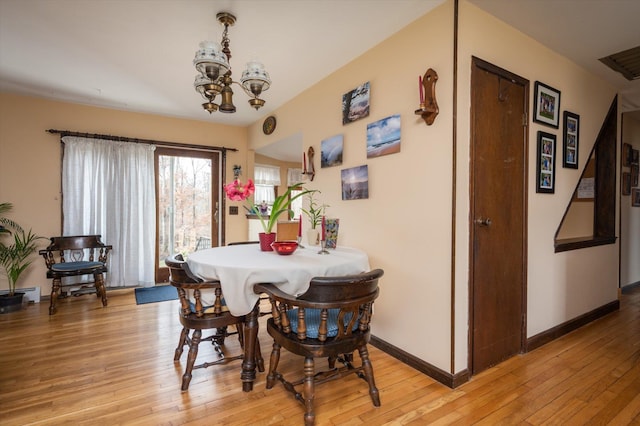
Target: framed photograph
[[546, 105], [383, 137], [355, 104], [571, 136], [546, 167], [627, 155], [635, 197], [626, 183], [634, 156], [355, 183], [634, 175], [331, 151]]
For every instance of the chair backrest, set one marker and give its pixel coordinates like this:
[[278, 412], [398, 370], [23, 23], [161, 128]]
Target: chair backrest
[[332, 307], [239, 243], [344, 288], [179, 272], [183, 279], [287, 231], [203, 243], [72, 249]]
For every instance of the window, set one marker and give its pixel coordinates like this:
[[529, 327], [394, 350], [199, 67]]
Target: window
[[265, 178]]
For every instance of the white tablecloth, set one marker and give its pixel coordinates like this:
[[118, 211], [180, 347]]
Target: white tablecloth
[[240, 267]]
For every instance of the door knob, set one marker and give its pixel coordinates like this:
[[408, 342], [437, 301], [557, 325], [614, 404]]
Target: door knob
[[483, 222]]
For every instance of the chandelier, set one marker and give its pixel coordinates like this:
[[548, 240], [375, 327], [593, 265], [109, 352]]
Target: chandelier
[[214, 73]]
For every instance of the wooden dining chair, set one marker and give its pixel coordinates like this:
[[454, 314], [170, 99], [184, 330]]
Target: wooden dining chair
[[330, 320], [76, 256], [195, 317]]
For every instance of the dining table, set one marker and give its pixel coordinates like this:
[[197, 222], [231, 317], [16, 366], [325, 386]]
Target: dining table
[[240, 267]]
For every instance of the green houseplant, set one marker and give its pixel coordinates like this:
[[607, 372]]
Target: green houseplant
[[15, 257], [314, 213], [315, 210], [236, 191]]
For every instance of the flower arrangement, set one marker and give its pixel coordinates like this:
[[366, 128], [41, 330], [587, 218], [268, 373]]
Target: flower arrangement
[[315, 211], [236, 191]]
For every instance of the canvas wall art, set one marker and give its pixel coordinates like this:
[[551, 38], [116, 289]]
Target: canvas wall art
[[355, 104], [331, 151], [355, 183], [383, 137]]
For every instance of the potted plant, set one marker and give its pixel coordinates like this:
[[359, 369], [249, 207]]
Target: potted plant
[[314, 213], [14, 258], [236, 191]]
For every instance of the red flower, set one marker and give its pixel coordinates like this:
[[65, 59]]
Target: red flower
[[237, 192]]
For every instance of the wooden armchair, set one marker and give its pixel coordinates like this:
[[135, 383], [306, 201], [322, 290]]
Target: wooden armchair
[[331, 319], [76, 256], [194, 316]]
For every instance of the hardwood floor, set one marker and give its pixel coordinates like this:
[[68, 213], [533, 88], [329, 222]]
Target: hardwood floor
[[107, 366]]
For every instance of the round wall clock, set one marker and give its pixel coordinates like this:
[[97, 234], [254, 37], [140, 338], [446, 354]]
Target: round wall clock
[[269, 125]]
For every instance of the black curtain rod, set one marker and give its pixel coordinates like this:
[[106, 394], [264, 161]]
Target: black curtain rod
[[63, 133]]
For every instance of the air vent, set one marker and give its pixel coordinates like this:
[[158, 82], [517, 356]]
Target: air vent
[[626, 63]]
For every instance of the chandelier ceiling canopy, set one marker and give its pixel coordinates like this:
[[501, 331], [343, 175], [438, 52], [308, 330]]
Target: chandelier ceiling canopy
[[214, 73]]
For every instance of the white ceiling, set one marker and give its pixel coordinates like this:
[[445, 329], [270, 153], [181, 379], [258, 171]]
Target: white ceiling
[[136, 55]]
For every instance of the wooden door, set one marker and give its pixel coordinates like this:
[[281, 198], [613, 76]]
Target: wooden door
[[498, 213], [187, 192]]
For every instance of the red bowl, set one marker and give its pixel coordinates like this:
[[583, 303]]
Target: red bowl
[[284, 247]]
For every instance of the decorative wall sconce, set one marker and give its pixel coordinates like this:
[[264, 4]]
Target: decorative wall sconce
[[237, 171], [310, 170], [428, 104]]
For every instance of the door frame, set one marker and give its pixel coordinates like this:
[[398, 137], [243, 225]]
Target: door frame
[[217, 164], [479, 63]]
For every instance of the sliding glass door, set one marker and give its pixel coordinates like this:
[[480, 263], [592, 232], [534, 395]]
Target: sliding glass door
[[187, 203]]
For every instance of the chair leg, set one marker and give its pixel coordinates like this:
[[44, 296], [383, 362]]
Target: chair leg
[[308, 391], [55, 290], [101, 291], [183, 338], [273, 365], [368, 370], [191, 359], [259, 360]]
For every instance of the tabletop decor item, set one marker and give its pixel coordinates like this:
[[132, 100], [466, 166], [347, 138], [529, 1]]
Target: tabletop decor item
[[323, 237], [284, 248], [314, 212], [299, 237], [331, 232], [236, 191]]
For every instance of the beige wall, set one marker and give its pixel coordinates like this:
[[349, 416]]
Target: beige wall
[[630, 216], [561, 286], [406, 223], [30, 163]]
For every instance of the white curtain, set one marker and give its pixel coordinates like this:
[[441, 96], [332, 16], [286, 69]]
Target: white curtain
[[265, 178], [294, 176], [108, 189]]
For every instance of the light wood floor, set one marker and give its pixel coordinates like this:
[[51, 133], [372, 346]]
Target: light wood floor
[[108, 366]]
